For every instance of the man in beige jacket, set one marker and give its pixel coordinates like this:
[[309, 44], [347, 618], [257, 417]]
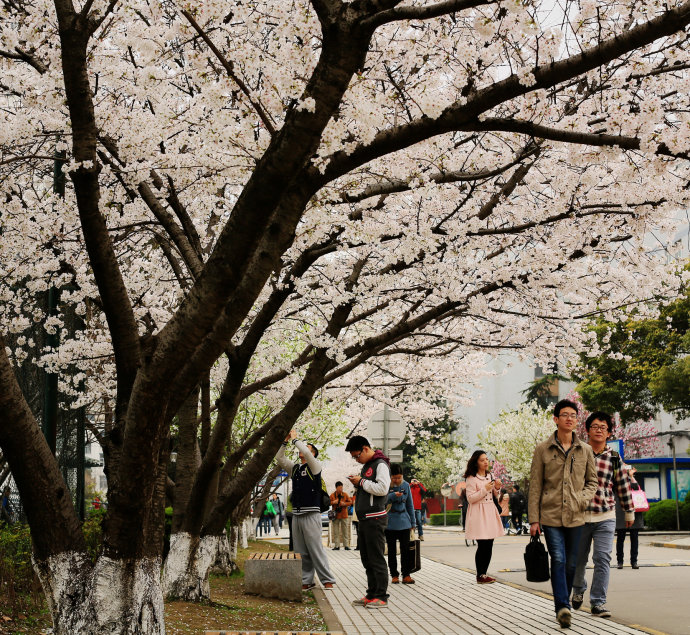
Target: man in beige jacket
[[563, 480]]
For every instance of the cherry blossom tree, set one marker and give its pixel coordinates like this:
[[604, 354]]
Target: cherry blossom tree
[[512, 437], [438, 462], [288, 199], [639, 437]]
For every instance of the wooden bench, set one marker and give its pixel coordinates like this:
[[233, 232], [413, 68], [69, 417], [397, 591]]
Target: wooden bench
[[274, 575]]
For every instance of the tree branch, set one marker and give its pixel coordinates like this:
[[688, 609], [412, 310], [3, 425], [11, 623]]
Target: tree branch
[[426, 12], [566, 136], [395, 186], [459, 115], [230, 70]]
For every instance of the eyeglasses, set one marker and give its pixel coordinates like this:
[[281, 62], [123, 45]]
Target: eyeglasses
[[568, 416], [356, 455], [600, 428]]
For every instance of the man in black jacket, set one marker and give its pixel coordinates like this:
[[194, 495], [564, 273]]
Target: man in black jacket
[[306, 512], [371, 496], [518, 505]]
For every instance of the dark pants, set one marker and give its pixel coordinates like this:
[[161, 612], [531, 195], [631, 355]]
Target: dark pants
[[392, 537], [620, 541], [563, 544], [516, 517], [482, 557], [264, 525], [371, 539]]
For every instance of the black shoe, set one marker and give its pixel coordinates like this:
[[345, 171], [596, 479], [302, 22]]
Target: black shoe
[[620, 565], [601, 611], [346, 548], [577, 600], [634, 565], [336, 548]]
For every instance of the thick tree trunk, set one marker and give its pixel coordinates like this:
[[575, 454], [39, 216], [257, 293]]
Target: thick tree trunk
[[111, 597], [187, 566], [226, 554]]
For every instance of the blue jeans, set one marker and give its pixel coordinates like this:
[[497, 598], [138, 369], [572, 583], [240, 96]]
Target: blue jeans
[[418, 518], [562, 543], [598, 536]]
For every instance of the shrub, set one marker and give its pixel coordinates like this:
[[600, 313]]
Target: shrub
[[93, 532], [21, 589], [453, 517], [662, 516]]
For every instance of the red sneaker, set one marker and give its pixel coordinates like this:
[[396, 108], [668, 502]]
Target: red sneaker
[[361, 602], [395, 580], [408, 579], [485, 579], [376, 604], [306, 587]]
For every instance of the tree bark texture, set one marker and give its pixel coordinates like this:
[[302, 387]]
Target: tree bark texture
[[113, 597], [187, 566]]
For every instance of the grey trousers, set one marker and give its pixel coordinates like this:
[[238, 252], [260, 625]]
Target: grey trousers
[[306, 540], [340, 532], [598, 537]]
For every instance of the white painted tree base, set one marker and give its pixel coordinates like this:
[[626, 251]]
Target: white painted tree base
[[113, 597], [226, 555], [187, 566]]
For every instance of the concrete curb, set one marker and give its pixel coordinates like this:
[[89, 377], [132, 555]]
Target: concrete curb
[[668, 545], [332, 622]]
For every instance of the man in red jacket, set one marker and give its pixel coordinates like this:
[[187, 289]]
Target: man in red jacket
[[418, 492]]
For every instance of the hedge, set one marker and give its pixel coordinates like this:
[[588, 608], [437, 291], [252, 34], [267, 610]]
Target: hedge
[[453, 517], [662, 516]]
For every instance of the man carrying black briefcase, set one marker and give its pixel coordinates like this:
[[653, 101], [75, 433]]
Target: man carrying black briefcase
[[536, 560]]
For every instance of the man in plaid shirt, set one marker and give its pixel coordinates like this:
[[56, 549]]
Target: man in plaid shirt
[[600, 517]]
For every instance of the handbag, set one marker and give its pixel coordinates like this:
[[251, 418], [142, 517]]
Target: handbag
[[536, 560], [640, 502]]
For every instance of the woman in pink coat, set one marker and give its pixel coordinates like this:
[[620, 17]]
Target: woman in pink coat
[[483, 522]]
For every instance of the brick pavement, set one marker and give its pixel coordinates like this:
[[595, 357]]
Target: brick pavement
[[448, 600]]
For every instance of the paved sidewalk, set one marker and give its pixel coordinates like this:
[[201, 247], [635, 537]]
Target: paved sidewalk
[[448, 600]]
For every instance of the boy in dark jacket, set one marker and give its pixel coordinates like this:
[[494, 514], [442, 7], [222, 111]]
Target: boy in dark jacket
[[371, 496]]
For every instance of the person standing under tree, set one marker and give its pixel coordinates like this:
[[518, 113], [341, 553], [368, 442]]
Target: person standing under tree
[[483, 522], [503, 500], [278, 518], [340, 501], [6, 512], [371, 496], [563, 480], [306, 512], [418, 493], [622, 525], [401, 520], [518, 507]]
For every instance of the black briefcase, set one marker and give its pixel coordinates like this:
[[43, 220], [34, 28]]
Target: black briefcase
[[415, 555], [536, 560]]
